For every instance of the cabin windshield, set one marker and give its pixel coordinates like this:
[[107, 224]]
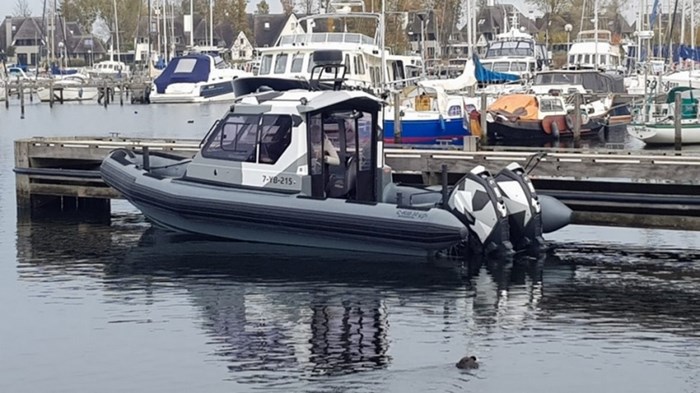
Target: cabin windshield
[[250, 138], [510, 48]]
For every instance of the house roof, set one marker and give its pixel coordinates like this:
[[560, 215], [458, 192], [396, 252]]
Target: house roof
[[491, 19], [29, 29], [267, 28]]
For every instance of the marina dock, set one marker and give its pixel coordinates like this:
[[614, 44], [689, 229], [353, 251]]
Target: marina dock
[[621, 188]]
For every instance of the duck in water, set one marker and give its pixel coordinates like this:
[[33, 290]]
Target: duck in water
[[467, 363]]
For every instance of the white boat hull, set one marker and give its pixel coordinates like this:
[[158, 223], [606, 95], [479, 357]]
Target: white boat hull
[[69, 94], [665, 134]]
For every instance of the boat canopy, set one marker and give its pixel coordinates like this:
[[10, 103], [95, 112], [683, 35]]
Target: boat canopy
[[191, 68], [591, 80], [484, 75], [686, 93], [524, 106]]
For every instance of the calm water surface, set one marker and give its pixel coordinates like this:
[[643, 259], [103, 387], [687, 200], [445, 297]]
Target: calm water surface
[[118, 306]]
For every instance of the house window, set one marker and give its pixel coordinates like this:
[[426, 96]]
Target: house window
[[242, 54], [241, 40]]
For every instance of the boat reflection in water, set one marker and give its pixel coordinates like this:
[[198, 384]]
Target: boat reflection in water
[[285, 315]]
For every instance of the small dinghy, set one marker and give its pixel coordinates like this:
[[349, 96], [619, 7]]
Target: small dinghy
[[305, 167]]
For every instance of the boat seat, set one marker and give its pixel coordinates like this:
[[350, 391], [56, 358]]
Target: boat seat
[[342, 187]]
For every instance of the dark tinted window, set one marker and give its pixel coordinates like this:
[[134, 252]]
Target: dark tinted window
[[275, 137]]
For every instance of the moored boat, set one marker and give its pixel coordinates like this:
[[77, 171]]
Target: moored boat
[[655, 123], [195, 77], [519, 118]]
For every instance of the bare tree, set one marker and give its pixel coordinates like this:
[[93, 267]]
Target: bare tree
[[22, 9], [551, 7]]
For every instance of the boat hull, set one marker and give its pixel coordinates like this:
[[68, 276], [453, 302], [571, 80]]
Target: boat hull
[[665, 134], [534, 130], [273, 217], [433, 131]]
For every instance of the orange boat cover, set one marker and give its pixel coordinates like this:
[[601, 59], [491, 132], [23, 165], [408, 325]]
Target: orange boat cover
[[523, 106]]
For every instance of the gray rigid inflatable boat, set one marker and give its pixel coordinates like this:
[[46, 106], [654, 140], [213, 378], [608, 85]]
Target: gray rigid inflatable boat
[[306, 168]]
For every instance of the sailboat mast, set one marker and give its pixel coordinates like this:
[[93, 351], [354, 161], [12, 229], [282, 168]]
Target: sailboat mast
[[191, 24], [116, 28], [595, 31], [211, 24], [682, 40], [164, 7], [172, 30]]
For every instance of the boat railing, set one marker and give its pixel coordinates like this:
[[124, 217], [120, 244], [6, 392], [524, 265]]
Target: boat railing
[[321, 38], [590, 36]]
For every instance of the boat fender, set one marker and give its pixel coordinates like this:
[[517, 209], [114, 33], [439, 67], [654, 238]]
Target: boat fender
[[442, 123], [80, 93], [569, 122], [584, 118], [555, 130], [477, 201], [522, 202], [555, 214]]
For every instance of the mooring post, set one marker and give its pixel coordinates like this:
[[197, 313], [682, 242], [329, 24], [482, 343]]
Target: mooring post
[[21, 99], [7, 94], [51, 92], [106, 95], [443, 181], [121, 94], [677, 117], [577, 117], [482, 116], [397, 117]]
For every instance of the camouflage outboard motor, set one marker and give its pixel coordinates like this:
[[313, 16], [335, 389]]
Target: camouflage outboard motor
[[477, 202], [524, 209]]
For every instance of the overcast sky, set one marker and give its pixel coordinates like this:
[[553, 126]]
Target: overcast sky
[[7, 7]]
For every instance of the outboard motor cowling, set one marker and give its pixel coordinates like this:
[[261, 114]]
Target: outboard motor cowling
[[477, 202], [523, 204]]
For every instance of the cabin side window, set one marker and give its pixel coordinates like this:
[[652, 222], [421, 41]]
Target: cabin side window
[[297, 63], [281, 63], [275, 137], [235, 140], [238, 137], [265, 65]]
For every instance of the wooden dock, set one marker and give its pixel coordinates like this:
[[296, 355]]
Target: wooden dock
[[624, 188]]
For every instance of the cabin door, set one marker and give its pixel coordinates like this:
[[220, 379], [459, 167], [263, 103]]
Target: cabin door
[[342, 155]]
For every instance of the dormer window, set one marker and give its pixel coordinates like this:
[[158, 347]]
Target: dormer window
[[267, 25]]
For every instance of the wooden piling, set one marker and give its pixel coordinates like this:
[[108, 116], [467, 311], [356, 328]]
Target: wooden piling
[[51, 93], [677, 117], [397, 117], [484, 125], [21, 99], [121, 94], [7, 95], [577, 118]]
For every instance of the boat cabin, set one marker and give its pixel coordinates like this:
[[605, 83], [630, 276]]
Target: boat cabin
[[577, 81], [317, 144]]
